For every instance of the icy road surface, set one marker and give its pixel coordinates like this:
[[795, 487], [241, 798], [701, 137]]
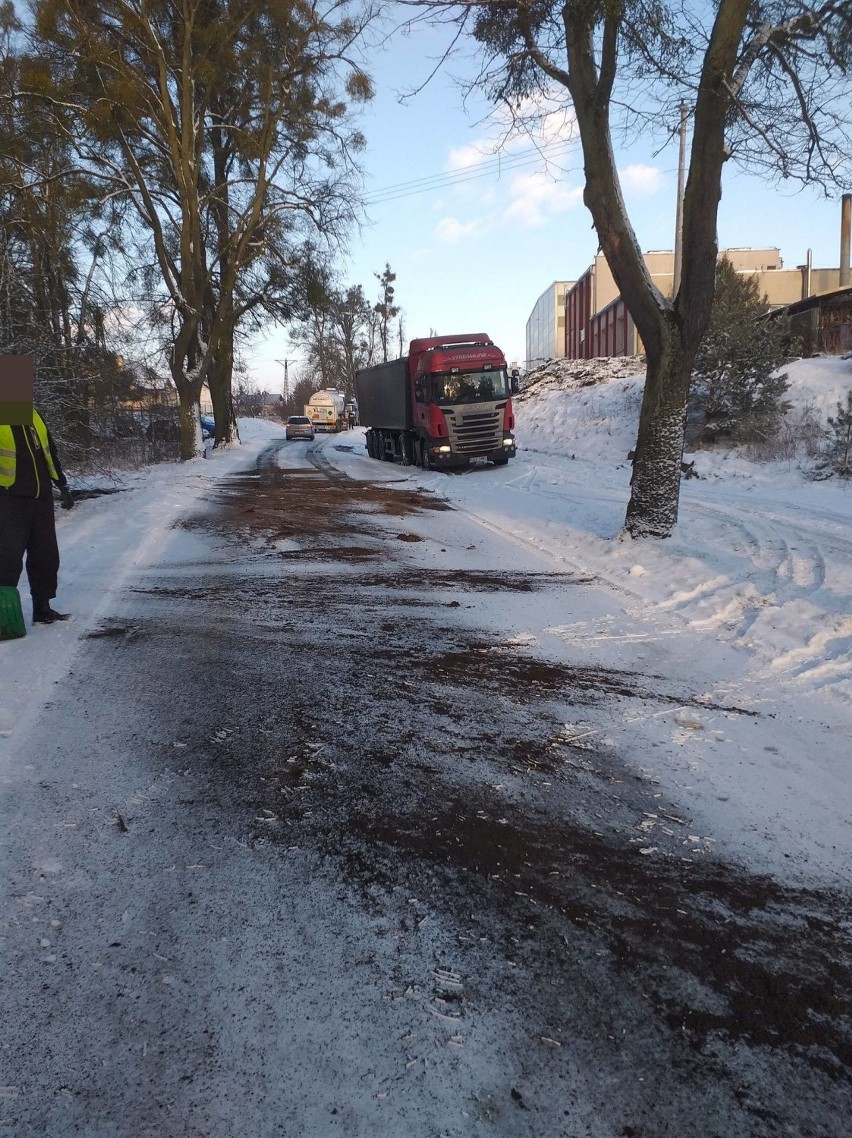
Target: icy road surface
[[372, 805]]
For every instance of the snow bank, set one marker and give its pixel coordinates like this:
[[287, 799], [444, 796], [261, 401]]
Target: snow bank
[[761, 556], [589, 409]]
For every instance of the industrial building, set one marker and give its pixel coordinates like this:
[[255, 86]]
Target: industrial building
[[597, 322], [546, 325], [588, 318]]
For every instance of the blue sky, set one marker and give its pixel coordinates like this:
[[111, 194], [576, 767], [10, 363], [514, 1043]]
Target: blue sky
[[474, 250]]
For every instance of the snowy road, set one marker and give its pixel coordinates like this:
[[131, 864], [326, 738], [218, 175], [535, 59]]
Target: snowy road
[[355, 815]]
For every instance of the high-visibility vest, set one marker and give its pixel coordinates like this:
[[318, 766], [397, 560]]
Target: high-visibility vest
[[9, 454]]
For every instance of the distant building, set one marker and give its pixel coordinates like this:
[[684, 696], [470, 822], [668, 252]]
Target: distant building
[[272, 404], [597, 322], [546, 325], [823, 323]]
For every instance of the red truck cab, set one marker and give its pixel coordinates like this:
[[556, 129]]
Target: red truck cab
[[446, 404], [461, 400]]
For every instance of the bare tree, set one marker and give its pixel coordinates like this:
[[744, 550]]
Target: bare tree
[[221, 122], [339, 337], [53, 235], [767, 81]]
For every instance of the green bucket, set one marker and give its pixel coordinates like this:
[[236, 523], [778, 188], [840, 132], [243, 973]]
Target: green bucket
[[11, 615]]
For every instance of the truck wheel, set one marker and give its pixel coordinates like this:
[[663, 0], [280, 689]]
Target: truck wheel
[[502, 460], [424, 456]]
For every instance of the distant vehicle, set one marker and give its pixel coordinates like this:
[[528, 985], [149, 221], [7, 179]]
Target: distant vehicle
[[162, 431], [299, 427], [126, 427], [446, 405], [208, 427], [325, 409]]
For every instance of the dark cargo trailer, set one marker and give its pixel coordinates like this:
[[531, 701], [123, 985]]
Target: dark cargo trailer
[[384, 395]]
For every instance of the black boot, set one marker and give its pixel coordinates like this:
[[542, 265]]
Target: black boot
[[44, 614]]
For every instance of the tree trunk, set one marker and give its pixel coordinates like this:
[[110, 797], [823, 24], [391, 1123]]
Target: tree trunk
[[191, 445], [220, 380], [221, 306], [655, 483], [188, 380]]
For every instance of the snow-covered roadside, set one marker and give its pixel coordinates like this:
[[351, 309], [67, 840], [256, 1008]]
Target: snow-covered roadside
[[101, 542], [761, 557]]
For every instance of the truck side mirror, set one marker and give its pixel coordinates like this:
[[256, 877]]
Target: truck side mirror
[[515, 383]]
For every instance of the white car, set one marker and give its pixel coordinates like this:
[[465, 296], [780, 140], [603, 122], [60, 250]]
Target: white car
[[299, 427]]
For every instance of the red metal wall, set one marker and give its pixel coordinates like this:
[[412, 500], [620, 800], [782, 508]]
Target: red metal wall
[[578, 308], [606, 333]]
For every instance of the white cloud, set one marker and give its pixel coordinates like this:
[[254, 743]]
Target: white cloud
[[463, 157], [537, 197], [528, 197], [540, 125], [642, 179], [450, 230], [542, 121]]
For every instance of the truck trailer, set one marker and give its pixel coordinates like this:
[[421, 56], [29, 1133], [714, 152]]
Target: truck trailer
[[446, 405], [325, 409]]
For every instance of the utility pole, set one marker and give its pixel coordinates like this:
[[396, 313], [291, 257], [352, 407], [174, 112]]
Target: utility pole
[[286, 390], [681, 168], [347, 326]]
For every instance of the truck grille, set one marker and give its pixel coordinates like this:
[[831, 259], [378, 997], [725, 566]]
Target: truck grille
[[477, 432]]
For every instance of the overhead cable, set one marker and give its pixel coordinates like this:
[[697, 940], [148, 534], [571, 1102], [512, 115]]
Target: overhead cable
[[490, 166]]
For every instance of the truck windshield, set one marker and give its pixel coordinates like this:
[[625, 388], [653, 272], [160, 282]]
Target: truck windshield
[[471, 386]]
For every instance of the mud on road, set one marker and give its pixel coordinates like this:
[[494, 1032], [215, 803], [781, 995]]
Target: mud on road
[[444, 771], [423, 760]]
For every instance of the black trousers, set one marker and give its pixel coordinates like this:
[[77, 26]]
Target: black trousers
[[27, 526]]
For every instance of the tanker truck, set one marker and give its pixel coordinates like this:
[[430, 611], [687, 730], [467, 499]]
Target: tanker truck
[[325, 409], [446, 405]]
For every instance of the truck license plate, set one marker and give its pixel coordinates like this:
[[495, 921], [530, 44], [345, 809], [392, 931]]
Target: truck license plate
[[478, 460]]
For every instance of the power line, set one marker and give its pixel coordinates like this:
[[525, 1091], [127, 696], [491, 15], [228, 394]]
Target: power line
[[440, 181], [482, 169], [494, 160]]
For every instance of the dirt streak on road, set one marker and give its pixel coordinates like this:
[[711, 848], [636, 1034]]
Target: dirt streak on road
[[421, 763], [723, 960]]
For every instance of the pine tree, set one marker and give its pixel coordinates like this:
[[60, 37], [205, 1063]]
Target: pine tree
[[385, 309], [737, 390], [837, 455]]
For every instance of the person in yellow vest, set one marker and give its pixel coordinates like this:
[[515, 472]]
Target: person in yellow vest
[[29, 466]]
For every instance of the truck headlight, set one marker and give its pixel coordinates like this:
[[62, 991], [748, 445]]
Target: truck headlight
[[508, 442], [443, 450]]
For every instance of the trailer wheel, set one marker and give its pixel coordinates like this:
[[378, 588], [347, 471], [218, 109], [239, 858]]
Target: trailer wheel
[[405, 450], [371, 445]]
